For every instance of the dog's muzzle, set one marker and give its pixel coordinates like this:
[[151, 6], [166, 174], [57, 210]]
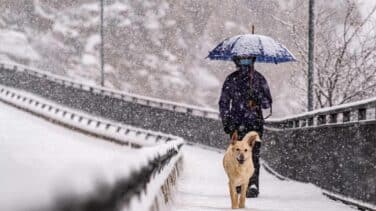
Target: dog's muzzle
[[240, 159]]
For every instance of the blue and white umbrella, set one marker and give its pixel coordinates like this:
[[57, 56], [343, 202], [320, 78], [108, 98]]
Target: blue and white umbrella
[[264, 48]]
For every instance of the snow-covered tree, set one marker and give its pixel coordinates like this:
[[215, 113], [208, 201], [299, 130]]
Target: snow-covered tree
[[345, 50]]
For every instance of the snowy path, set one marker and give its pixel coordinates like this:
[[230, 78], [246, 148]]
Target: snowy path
[[40, 161], [203, 186]]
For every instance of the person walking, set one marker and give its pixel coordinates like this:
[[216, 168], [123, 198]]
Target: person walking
[[244, 94]]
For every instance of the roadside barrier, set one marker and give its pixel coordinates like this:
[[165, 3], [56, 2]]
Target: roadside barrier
[[151, 183]]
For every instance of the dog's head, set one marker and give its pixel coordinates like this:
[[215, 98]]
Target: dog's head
[[242, 150]]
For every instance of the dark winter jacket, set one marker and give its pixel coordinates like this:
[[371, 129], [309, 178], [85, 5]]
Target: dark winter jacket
[[236, 93]]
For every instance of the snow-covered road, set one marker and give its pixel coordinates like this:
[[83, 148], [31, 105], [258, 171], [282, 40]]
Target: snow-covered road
[[203, 186]]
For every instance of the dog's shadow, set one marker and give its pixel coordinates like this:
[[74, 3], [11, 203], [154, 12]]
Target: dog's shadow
[[219, 197], [226, 208]]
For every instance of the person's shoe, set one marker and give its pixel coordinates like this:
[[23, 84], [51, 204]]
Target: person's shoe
[[238, 189], [252, 192]]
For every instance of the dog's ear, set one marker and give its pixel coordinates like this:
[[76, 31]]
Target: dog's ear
[[234, 137], [253, 138]]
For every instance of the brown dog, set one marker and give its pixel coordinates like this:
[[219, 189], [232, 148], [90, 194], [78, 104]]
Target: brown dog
[[238, 165]]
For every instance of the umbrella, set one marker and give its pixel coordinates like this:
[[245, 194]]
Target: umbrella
[[264, 48]]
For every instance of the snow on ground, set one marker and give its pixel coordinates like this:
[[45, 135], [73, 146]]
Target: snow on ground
[[203, 186], [40, 160]]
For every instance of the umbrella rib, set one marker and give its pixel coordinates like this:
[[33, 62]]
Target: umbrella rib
[[233, 44], [261, 48]]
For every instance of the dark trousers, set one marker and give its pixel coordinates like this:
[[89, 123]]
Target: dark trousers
[[256, 162]]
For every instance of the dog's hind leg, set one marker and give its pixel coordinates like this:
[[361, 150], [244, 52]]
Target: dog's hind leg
[[242, 195], [234, 196]]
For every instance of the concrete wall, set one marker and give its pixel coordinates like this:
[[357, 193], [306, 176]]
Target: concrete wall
[[339, 158]]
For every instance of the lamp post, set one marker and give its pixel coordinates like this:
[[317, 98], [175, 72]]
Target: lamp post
[[102, 46], [311, 39]]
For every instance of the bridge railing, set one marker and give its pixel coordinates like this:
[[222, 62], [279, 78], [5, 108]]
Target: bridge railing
[[143, 112], [333, 148], [352, 112], [358, 111], [143, 100], [151, 182]]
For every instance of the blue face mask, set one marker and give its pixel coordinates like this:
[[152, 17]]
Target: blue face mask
[[245, 62]]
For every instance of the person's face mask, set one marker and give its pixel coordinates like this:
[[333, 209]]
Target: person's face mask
[[245, 62]]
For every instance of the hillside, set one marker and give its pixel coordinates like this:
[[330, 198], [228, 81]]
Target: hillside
[[155, 48]]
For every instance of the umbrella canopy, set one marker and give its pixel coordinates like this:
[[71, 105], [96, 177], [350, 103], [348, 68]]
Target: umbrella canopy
[[264, 48]]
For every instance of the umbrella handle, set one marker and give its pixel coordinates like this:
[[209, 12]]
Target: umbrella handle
[[270, 113]]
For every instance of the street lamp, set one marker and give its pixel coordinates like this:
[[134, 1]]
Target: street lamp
[[311, 39], [102, 46]]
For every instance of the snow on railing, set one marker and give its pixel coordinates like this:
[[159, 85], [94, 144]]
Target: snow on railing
[[116, 132], [350, 112], [360, 111], [143, 100], [146, 185]]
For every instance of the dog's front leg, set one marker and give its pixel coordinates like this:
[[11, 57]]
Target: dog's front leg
[[242, 195], [234, 196]]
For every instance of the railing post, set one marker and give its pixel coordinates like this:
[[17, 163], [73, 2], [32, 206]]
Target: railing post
[[310, 121], [321, 119], [333, 118], [290, 124], [346, 116], [296, 124], [362, 114]]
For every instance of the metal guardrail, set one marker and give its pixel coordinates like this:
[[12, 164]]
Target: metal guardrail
[[347, 113], [148, 101], [359, 111], [118, 195], [142, 112], [85, 123], [333, 148]]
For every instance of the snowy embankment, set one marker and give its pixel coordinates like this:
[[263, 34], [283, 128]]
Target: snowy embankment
[[45, 166], [203, 186]]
